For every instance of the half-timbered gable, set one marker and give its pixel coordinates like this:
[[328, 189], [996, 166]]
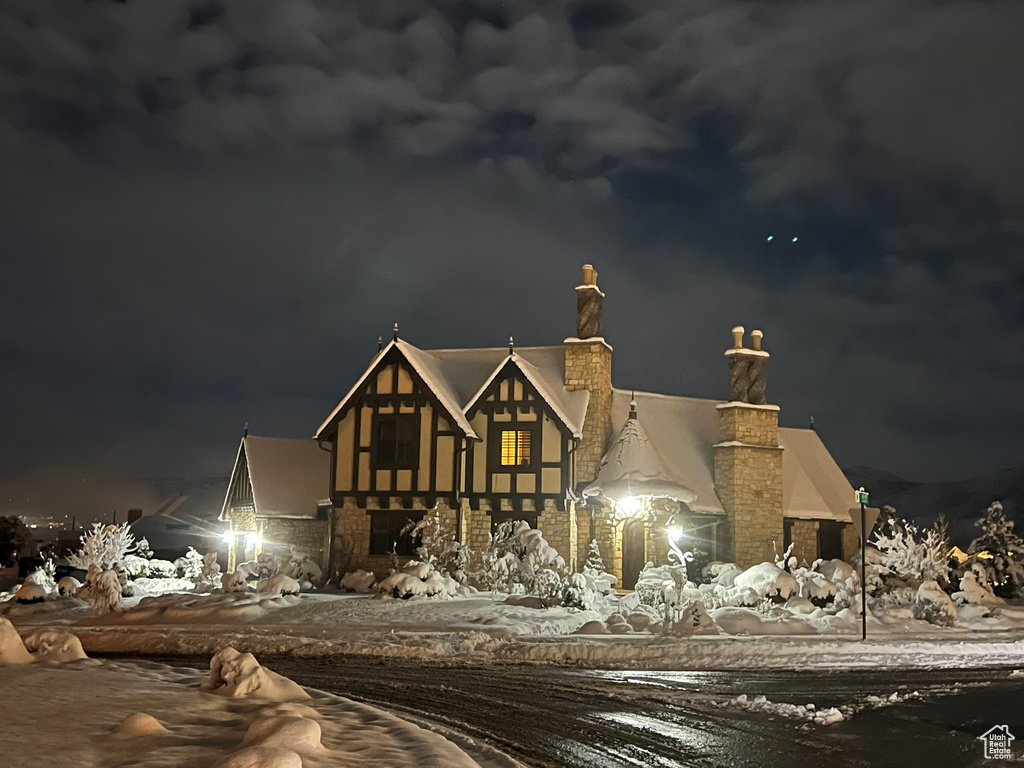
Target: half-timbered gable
[[522, 456], [394, 437]]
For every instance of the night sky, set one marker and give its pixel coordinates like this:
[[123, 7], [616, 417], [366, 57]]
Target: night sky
[[209, 211]]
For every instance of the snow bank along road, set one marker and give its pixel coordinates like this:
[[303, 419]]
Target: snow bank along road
[[547, 716]]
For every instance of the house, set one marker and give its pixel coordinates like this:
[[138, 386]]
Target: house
[[186, 519], [541, 434], [278, 499]]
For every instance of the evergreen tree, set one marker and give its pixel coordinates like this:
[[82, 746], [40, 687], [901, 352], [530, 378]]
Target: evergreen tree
[[594, 560], [1004, 565]]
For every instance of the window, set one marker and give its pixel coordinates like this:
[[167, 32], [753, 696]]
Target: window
[[830, 540], [515, 447], [398, 441], [386, 527]]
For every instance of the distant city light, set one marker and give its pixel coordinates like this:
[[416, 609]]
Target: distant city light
[[795, 239], [770, 238]]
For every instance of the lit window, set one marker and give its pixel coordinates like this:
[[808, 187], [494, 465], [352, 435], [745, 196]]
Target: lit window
[[515, 448]]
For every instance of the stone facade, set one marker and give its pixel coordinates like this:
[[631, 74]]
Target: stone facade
[[851, 541], [804, 537], [588, 365], [748, 481], [280, 535]]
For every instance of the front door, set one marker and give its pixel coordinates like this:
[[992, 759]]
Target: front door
[[634, 552]]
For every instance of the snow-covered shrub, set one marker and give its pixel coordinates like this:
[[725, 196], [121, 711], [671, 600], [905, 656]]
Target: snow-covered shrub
[[519, 561], [43, 577], [416, 579], [576, 592], [238, 675], [786, 562], [358, 581], [68, 586], [190, 566], [693, 619], [598, 579], [30, 593], [210, 576], [267, 565], [768, 581], [910, 555], [279, 585], [933, 605], [103, 590], [438, 545], [975, 591], [303, 568], [104, 546], [136, 567], [235, 581], [143, 550], [1004, 565], [501, 558], [162, 569], [718, 572]]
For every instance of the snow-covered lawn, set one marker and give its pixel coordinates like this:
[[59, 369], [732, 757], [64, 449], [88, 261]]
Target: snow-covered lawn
[[145, 715]]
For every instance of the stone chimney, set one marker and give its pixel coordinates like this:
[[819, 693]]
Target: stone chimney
[[748, 457], [588, 365]]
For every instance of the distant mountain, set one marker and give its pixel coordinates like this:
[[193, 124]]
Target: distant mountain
[[962, 501]]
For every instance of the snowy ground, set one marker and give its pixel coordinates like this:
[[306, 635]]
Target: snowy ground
[[81, 717], [479, 629]]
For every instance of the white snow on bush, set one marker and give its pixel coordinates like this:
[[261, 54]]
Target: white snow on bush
[[239, 675], [279, 585], [68, 586], [934, 606], [30, 593], [358, 581], [54, 645], [235, 581], [768, 581], [147, 586], [745, 621], [12, 648]]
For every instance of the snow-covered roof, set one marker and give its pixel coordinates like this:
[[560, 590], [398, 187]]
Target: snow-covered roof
[[290, 477], [632, 467], [684, 431], [458, 377]]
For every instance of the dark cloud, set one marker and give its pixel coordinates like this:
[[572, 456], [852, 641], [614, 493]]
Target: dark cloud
[[211, 210]]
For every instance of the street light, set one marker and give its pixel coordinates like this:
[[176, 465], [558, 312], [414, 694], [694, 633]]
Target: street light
[[862, 499]]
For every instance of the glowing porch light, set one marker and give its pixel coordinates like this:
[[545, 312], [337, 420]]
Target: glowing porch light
[[629, 506]]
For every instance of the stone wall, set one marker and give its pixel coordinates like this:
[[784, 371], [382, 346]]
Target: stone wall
[[559, 529], [804, 536], [281, 535], [588, 365], [851, 541], [748, 481]]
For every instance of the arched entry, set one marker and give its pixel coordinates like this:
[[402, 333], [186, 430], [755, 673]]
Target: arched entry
[[634, 552]]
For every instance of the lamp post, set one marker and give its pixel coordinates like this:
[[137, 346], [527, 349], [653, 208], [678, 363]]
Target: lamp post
[[862, 499]]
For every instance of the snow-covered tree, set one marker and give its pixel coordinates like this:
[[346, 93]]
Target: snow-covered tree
[[1004, 563], [190, 566], [908, 554], [210, 575], [105, 546], [501, 559], [302, 567], [103, 590], [438, 545], [143, 550], [597, 578]]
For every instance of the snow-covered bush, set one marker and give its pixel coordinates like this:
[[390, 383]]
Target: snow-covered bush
[[210, 576], [519, 561], [975, 590], [501, 558], [718, 572], [598, 579], [267, 565], [135, 566], [933, 605], [104, 546], [30, 593], [439, 546], [358, 581], [768, 581], [235, 581], [102, 590], [43, 577], [68, 586], [303, 568], [910, 555], [190, 566], [693, 619], [279, 585], [416, 579], [143, 550], [1004, 564], [161, 569]]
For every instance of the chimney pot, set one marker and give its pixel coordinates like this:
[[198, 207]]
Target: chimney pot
[[589, 275], [755, 339], [737, 337]]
